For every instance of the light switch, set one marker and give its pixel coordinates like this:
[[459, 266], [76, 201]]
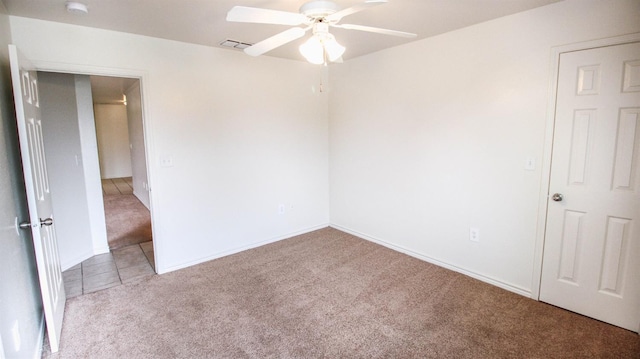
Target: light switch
[[530, 164], [166, 161]]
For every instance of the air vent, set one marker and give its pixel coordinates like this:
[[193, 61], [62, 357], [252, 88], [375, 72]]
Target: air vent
[[235, 44]]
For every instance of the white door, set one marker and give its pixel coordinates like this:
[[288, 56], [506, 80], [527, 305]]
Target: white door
[[591, 262], [25, 90]]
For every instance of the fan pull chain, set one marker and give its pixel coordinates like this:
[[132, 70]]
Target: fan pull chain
[[324, 72]]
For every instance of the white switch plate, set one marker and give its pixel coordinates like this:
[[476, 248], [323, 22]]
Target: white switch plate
[[474, 234], [530, 164], [281, 209], [166, 161]]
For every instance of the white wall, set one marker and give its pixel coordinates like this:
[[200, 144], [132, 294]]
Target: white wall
[[136, 140], [91, 164], [245, 135], [70, 144], [21, 317], [112, 130], [64, 163], [431, 138], [426, 140]]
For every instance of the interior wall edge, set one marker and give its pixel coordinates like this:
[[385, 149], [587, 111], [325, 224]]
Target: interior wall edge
[[91, 165], [469, 273], [242, 248]]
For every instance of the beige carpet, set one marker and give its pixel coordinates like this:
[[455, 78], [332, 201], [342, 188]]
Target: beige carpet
[[128, 220], [327, 294]]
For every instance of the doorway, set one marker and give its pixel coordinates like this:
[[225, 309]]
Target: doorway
[[122, 158], [96, 254]]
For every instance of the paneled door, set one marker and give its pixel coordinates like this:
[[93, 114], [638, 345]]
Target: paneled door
[[41, 225], [591, 262]]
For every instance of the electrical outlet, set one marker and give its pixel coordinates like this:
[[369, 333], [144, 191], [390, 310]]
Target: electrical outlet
[[474, 234], [281, 209]]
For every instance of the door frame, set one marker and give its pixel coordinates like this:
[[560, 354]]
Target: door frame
[[143, 77], [554, 67]]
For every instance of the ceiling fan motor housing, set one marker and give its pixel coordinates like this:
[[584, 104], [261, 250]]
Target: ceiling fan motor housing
[[321, 29], [319, 9]]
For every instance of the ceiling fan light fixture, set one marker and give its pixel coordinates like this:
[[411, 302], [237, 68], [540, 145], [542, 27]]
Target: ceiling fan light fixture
[[333, 48], [319, 45], [76, 8], [313, 51]]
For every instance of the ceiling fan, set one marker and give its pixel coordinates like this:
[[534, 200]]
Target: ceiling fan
[[316, 15]]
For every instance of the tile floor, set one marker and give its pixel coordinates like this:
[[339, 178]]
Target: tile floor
[[108, 270], [117, 186]]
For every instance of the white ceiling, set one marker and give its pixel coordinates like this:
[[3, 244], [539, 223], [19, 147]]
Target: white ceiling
[[203, 21], [109, 90]]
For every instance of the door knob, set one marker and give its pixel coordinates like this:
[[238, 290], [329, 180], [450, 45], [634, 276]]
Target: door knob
[[43, 222], [557, 197], [25, 225]]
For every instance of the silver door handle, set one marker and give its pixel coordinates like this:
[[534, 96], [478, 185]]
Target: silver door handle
[[43, 222], [557, 197]]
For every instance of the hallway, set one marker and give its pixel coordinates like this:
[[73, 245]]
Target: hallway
[[128, 220], [111, 269], [113, 186]]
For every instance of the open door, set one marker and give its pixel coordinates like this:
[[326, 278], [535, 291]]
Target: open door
[[25, 91]]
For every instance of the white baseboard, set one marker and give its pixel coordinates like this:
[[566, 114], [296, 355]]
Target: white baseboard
[[101, 250], [137, 194], [241, 249], [481, 277], [83, 256], [75, 260]]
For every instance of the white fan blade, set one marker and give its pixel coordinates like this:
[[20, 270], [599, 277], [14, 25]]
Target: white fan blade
[[265, 16], [335, 17], [377, 30], [274, 41]]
